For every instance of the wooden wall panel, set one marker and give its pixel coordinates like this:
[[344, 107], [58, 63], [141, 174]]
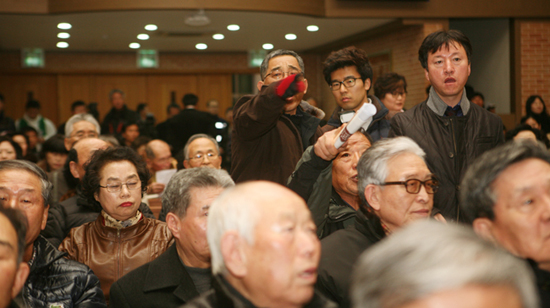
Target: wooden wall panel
[[134, 86], [216, 87], [71, 88], [160, 87], [15, 88]]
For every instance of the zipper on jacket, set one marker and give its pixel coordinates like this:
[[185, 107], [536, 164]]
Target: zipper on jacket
[[119, 256], [456, 158]]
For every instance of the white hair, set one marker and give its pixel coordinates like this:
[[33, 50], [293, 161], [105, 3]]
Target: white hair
[[78, 118], [372, 167], [428, 257], [232, 210]]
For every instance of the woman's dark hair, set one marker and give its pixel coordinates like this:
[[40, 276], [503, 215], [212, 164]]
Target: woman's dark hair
[[15, 145], [530, 102], [540, 135], [100, 159], [387, 83], [55, 144]]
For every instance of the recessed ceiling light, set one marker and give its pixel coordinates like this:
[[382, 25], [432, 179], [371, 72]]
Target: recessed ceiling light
[[63, 35], [233, 27], [201, 46], [267, 46], [134, 45], [143, 36], [312, 28], [64, 25], [290, 36], [151, 27], [218, 36], [62, 45]]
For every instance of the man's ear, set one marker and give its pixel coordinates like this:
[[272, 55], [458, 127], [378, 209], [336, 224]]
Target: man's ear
[[232, 249], [149, 163], [20, 279], [372, 195], [45, 217], [305, 85], [174, 224], [67, 143], [426, 74], [367, 84], [220, 158], [186, 164], [484, 228], [72, 168], [259, 85]]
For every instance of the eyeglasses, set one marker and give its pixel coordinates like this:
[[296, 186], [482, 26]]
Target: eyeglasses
[[81, 135], [114, 188], [413, 185], [201, 156], [278, 74], [348, 83], [397, 93]]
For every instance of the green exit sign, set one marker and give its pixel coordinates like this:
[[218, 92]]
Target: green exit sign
[[147, 58], [32, 57]]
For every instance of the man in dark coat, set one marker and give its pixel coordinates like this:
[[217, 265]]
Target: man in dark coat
[[53, 280], [188, 122], [264, 250], [396, 188], [451, 130], [272, 129], [119, 115], [183, 271], [506, 198]]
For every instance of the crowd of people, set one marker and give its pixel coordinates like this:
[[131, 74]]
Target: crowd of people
[[424, 207]]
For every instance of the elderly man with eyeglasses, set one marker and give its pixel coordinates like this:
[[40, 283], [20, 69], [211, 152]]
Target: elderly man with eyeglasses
[[396, 188], [272, 129], [349, 76]]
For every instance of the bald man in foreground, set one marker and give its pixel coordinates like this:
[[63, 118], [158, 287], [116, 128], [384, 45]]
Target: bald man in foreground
[[264, 250]]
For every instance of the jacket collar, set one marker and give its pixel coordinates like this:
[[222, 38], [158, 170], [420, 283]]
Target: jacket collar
[[437, 105], [168, 271], [44, 255], [371, 228]]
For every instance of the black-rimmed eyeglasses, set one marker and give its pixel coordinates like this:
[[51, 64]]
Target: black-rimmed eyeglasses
[[413, 185]]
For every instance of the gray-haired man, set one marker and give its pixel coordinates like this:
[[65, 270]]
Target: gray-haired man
[[183, 271]]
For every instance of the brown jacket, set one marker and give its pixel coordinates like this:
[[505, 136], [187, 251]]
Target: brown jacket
[[265, 144], [112, 253]]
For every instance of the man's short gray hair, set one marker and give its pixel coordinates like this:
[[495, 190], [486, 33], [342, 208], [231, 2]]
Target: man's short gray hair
[[372, 167], [119, 91], [79, 118], [23, 165], [195, 137], [277, 53], [428, 257], [177, 198], [232, 210], [477, 198]]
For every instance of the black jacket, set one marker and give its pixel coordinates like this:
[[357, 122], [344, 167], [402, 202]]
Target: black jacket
[[312, 180], [224, 295], [73, 213], [451, 143], [186, 124], [56, 280], [340, 251], [116, 119], [543, 283], [163, 282]]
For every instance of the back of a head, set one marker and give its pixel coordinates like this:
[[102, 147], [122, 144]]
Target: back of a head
[[18, 222], [190, 99], [429, 257]]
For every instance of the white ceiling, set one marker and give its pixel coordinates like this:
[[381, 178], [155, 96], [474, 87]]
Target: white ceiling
[[114, 31]]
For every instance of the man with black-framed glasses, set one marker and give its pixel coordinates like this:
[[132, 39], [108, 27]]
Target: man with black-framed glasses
[[396, 188], [272, 129], [349, 75]]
